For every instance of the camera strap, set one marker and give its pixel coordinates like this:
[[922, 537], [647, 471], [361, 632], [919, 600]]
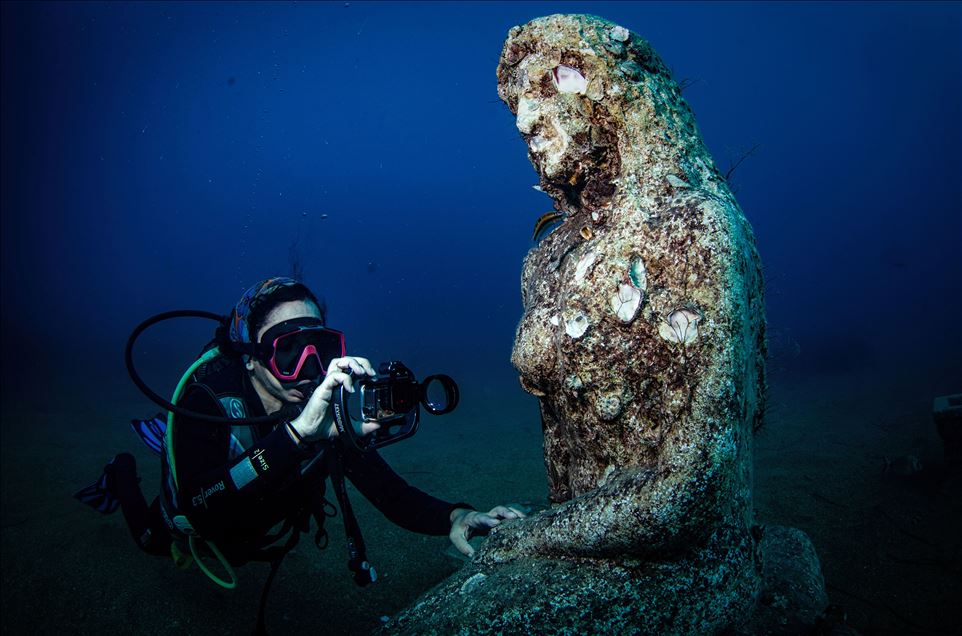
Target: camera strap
[[357, 563]]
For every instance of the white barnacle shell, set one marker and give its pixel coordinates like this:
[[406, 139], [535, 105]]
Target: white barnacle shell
[[537, 143], [569, 80], [576, 325], [473, 582], [596, 90], [619, 33], [626, 301], [555, 320], [681, 326], [584, 264]]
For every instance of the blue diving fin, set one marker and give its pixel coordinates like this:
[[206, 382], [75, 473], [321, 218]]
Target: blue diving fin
[[98, 497], [151, 431]]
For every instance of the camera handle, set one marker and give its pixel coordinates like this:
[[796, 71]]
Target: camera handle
[[342, 418]]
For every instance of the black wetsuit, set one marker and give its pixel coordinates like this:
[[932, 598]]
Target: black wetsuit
[[235, 502]]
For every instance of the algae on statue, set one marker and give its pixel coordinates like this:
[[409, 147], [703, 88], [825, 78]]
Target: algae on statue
[[643, 337], [645, 342]]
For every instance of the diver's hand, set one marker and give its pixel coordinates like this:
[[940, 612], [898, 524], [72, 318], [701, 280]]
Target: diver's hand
[[469, 523], [316, 421]]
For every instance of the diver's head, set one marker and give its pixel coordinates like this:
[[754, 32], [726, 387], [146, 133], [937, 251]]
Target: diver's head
[[282, 323]]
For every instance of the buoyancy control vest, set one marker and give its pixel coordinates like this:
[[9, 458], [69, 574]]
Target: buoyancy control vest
[[217, 375], [223, 379]]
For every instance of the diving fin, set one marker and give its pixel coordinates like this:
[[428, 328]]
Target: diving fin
[[98, 497], [119, 473], [151, 431]]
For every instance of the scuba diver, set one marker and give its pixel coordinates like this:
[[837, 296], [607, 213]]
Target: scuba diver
[[252, 434]]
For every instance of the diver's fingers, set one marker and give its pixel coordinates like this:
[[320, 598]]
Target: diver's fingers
[[345, 380], [320, 399], [333, 380], [360, 366], [354, 366], [483, 521], [506, 512], [459, 537], [337, 364], [349, 364], [368, 427], [364, 362]]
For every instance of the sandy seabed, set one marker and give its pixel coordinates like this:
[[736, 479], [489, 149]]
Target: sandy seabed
[[889, 542]]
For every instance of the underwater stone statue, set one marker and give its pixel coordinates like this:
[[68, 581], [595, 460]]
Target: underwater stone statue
[[643, 336]]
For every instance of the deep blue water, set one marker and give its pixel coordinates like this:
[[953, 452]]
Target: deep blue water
[[160, 156], [164, 156]]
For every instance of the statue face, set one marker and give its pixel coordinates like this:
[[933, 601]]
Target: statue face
[[546, 89]]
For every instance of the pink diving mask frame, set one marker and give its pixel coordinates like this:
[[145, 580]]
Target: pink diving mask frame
[[289, 346]]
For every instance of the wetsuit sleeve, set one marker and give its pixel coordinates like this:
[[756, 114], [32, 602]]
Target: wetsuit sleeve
[[403, 504], [217, 493]]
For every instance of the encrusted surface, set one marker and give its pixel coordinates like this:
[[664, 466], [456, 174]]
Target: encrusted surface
[[686, 366], [588, 596], [696, 593], [643, 336]]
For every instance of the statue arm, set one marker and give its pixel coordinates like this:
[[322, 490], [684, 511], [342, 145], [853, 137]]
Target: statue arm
[[638, 512]]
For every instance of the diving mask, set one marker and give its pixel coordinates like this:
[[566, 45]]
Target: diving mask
[[299, 349]]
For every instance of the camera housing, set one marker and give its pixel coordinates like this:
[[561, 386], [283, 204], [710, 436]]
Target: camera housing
[[393, 398]]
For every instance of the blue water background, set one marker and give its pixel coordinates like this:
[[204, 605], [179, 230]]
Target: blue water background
[[161, 156]]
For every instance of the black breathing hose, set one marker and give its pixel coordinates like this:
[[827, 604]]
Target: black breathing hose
[[166, 404]]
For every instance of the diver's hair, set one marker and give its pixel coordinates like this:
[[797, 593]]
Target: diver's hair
[[266, 304]]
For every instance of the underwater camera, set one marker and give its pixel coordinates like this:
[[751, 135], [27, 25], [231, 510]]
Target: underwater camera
[[393, 398]]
